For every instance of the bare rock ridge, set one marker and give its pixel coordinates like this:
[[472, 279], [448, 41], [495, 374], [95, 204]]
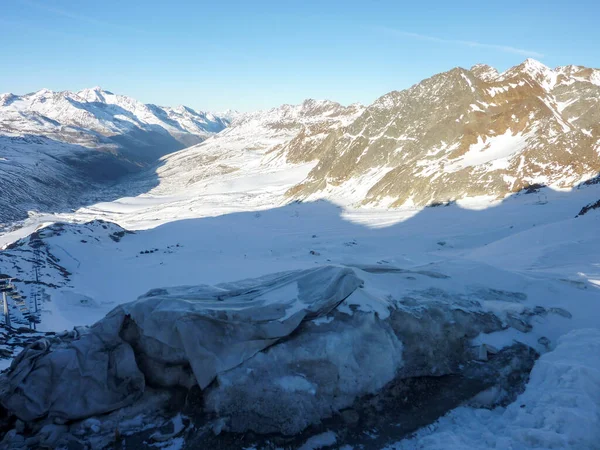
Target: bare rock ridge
[[458, 134], [463, 133]]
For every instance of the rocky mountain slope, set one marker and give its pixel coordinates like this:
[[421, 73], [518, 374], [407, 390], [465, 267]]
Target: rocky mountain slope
[[53, 145], [464, 133]]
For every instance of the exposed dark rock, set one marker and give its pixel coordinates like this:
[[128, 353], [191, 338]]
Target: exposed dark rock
[[588, 208]]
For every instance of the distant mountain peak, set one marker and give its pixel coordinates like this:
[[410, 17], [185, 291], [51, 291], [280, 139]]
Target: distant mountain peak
[[94, 94], [44, 92], [484, 72], [534, 64], [533, 70]]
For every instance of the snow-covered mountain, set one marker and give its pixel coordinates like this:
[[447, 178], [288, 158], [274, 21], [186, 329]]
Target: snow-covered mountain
[[458, 134], [55, 144], [93, 114], [462, 133]]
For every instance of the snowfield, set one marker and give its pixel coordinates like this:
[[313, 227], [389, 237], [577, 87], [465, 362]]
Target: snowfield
[[526, 261]]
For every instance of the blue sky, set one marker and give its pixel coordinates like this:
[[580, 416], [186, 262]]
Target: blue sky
[[249, 55]]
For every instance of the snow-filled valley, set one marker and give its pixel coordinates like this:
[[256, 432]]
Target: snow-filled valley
[[207, 304]]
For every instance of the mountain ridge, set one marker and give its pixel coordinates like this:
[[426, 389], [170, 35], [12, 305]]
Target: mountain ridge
[[457, 134], [55, 146], [106, 113], [452, 123]]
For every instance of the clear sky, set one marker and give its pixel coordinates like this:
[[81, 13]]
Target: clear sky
[[257, 54]]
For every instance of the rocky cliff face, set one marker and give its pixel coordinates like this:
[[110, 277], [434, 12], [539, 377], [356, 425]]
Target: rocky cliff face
[[464, 133]]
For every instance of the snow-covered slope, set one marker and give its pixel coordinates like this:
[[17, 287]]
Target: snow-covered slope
[[560, 408], [242, 168], [519, 237], [96, 112], [55, 144], [526, 257]]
